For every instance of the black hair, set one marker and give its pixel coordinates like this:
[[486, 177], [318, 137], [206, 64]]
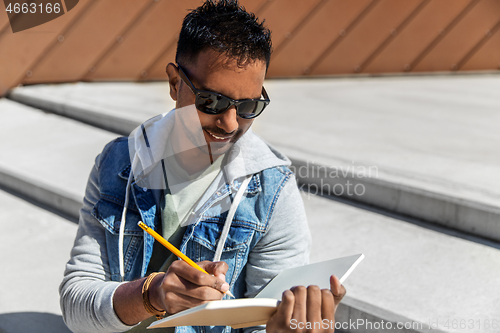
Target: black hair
[[226, 27]]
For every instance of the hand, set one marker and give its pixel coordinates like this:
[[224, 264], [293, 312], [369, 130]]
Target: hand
[[183, 287], [307, 309]]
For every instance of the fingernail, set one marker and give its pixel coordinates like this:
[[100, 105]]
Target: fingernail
[[224, 287], [222, 277]]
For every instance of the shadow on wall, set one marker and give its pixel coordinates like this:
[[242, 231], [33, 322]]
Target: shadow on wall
[[32, 322]]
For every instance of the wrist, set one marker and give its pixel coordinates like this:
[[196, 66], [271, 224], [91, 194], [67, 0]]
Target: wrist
[[128, 302], [150, 295], [154, 292]]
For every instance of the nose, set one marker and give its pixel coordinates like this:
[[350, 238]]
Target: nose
[[228, 120]]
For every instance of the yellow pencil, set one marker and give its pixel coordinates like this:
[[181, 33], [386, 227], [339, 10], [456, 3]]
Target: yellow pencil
[[174, 250]]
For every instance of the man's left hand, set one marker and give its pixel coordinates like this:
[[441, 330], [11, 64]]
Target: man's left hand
[[307, 309]]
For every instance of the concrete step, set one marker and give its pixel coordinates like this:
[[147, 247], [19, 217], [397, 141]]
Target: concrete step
[[117, 107], [425, 280], [422, 147], [47, 158], [34, 247]]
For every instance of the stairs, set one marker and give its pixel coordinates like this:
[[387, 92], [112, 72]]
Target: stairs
[[404, 170]]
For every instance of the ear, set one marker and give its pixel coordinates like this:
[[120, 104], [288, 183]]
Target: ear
[[173, 80]]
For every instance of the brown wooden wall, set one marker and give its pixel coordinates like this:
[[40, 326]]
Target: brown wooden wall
[[135, 39]]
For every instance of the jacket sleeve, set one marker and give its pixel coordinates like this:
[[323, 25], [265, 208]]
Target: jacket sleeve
[[86, 292], [286, 243]]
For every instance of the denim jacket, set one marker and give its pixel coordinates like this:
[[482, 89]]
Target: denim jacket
[[268, 232]]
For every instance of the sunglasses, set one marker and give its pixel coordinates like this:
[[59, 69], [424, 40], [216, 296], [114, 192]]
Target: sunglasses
[[214, 103]]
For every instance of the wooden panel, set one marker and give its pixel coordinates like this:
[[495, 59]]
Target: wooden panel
[[365, 37], [157, 70], [487, 56], [461, 38], [4, 18], [150, 34], [319, 32], [21, 50], [70, 4], [252, 6], [92, 34], [421, 31], [133, 39], [283, 25]]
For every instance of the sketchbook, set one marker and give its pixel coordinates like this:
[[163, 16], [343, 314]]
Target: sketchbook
[[246, 312]]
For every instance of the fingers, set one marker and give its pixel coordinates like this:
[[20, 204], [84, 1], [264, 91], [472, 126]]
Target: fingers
[[184, 287], [217, 269], [313, 304], [338, 290], [327, 305], [198, 279], [319, 304], [281, 320], [176, 302], [304, 309], [300, 306], [286, 306], [214, 268]]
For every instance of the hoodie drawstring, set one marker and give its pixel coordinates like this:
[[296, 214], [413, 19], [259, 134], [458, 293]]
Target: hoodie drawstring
[[121, 235], [230, 216]]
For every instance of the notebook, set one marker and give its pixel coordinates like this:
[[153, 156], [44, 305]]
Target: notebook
[[246, 312]]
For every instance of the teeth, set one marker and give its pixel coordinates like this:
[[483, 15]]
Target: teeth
[[217, 137]]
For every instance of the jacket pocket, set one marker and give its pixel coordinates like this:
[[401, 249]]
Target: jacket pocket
[[207, 233], [205, 236], [109, 215]]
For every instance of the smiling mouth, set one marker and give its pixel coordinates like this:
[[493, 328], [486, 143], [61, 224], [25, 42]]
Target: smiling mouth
[[219, 138]]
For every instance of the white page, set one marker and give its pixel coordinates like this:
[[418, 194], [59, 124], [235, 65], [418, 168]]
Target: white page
[[233, 312], [312, 274]]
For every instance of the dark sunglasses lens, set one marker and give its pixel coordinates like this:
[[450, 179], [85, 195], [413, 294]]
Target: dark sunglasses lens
[[250, 109], [207, 103], [212, 103], [223, 103]]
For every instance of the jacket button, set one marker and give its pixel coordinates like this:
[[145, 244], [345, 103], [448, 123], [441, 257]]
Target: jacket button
[[144, 189]]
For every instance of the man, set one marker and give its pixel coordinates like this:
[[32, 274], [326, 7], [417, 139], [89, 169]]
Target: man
[[208, 184]]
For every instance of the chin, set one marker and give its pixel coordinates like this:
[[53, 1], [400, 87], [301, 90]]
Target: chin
[[217, 148]]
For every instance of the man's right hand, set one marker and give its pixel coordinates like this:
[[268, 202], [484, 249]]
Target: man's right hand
[[183, 287], [180, 288]]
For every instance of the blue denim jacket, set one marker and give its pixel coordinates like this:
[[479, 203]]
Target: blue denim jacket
[[250, 222]]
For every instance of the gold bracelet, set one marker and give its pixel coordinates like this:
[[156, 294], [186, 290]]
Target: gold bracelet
[[145, 298]]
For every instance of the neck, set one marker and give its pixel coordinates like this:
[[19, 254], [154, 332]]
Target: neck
[[191, 159]]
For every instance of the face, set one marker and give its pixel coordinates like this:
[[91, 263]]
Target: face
[[218, 73]]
